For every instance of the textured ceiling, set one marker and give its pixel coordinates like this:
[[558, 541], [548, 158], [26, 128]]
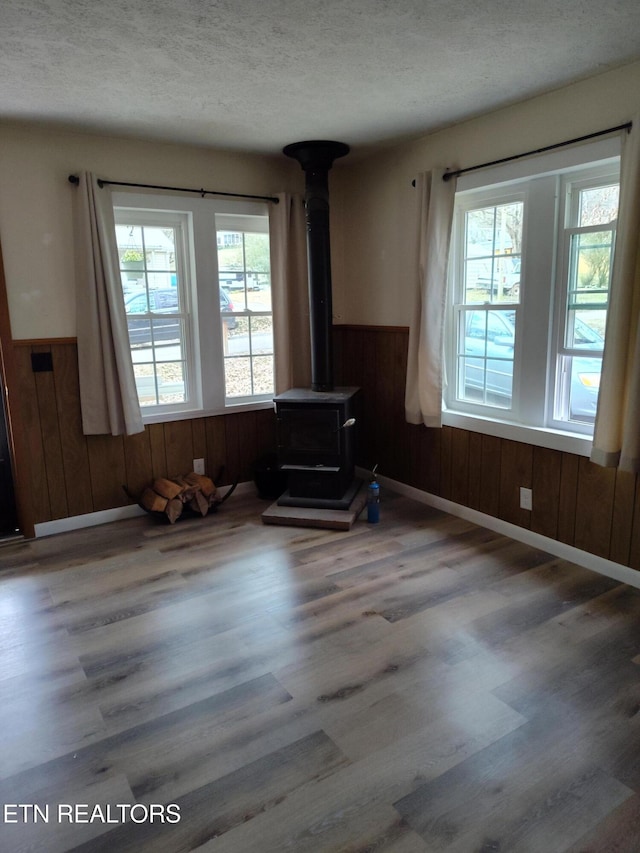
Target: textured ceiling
[[258, 74]]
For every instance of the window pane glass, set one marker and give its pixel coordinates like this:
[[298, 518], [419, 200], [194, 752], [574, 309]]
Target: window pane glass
[[578, 386], [238, 339], [169, 351], [146, 384], [261, 335], [486, 342], [160, 248], [259, 296], [130, 247], [171, 382], [492, 253], [155, 311], [588, 294], [233, 291], [237, 377], [598, 206], [263, 374], [245, 304]]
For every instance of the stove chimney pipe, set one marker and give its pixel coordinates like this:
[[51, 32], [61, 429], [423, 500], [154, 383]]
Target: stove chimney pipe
[[316, 158]]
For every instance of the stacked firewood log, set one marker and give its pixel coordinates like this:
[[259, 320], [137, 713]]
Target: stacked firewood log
[[193, 492]]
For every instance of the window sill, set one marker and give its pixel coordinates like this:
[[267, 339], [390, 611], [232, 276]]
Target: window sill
[[192, 414], [568, 442]]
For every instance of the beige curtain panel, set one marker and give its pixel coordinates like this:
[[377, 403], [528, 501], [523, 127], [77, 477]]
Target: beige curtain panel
[[423, 395], [616, 439], [108, 396], [290, 293]]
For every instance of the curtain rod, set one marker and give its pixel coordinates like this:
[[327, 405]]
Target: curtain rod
[[448, 175], [74, 179]]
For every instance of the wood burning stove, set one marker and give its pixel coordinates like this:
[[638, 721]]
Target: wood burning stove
[[316, 445]]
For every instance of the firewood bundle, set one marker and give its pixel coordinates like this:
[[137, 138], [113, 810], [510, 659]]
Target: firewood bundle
[[193, 492]]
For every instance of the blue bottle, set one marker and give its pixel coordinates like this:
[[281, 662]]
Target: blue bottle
[[373, 499]]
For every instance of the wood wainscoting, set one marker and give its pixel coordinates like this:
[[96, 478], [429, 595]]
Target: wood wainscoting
[[592, 508], [72, 474]]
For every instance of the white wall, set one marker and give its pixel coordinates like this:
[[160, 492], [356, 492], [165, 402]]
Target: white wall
[[373, 202], [36, 205]]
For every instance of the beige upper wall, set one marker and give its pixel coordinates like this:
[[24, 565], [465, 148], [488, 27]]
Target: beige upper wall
[[373, 202], [36, 206]]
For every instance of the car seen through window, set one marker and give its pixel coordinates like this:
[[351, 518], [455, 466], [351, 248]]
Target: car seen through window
[[487, 365], [159, 302]]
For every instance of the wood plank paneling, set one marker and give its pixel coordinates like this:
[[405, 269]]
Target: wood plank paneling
[[594, 507], [265, 431], [568, 498], [475, 470], [400, 425], [216, 457], [178, 447], [385, 439], [199, 438], [75, 455], [547, 467], [370, 404], [72, 474], [516, 465], [108, 471], [137, 460], [460, 466], [157, 448], [37, 479], [414, 440], [622, 520], [232, 441], [485, 472], [430, 459], [247, 445], [490, 475], [446, 441], [51, 442]]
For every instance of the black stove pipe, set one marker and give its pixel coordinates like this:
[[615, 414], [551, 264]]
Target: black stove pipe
[[316, 158]]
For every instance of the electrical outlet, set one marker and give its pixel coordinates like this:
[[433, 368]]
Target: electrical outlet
[[526, 498], [198, 466]]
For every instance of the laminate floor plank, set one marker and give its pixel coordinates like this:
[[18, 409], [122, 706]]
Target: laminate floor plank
[[339, 813], [211, 811], [59, 836], [618, 833], [422, 684], [528, 790]]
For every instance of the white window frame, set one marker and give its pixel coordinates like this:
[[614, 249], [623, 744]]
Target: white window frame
[[531, 419], [570, 188], [199, 274]]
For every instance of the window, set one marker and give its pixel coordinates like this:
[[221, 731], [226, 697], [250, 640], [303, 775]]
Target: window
[[591, 211], [244, 276], [197, 288], [530, 274]]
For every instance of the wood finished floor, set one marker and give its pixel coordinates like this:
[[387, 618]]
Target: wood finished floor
[[419, 685]]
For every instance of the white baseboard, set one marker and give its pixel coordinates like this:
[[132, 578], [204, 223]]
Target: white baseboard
[[91, 519], [617, 571]]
